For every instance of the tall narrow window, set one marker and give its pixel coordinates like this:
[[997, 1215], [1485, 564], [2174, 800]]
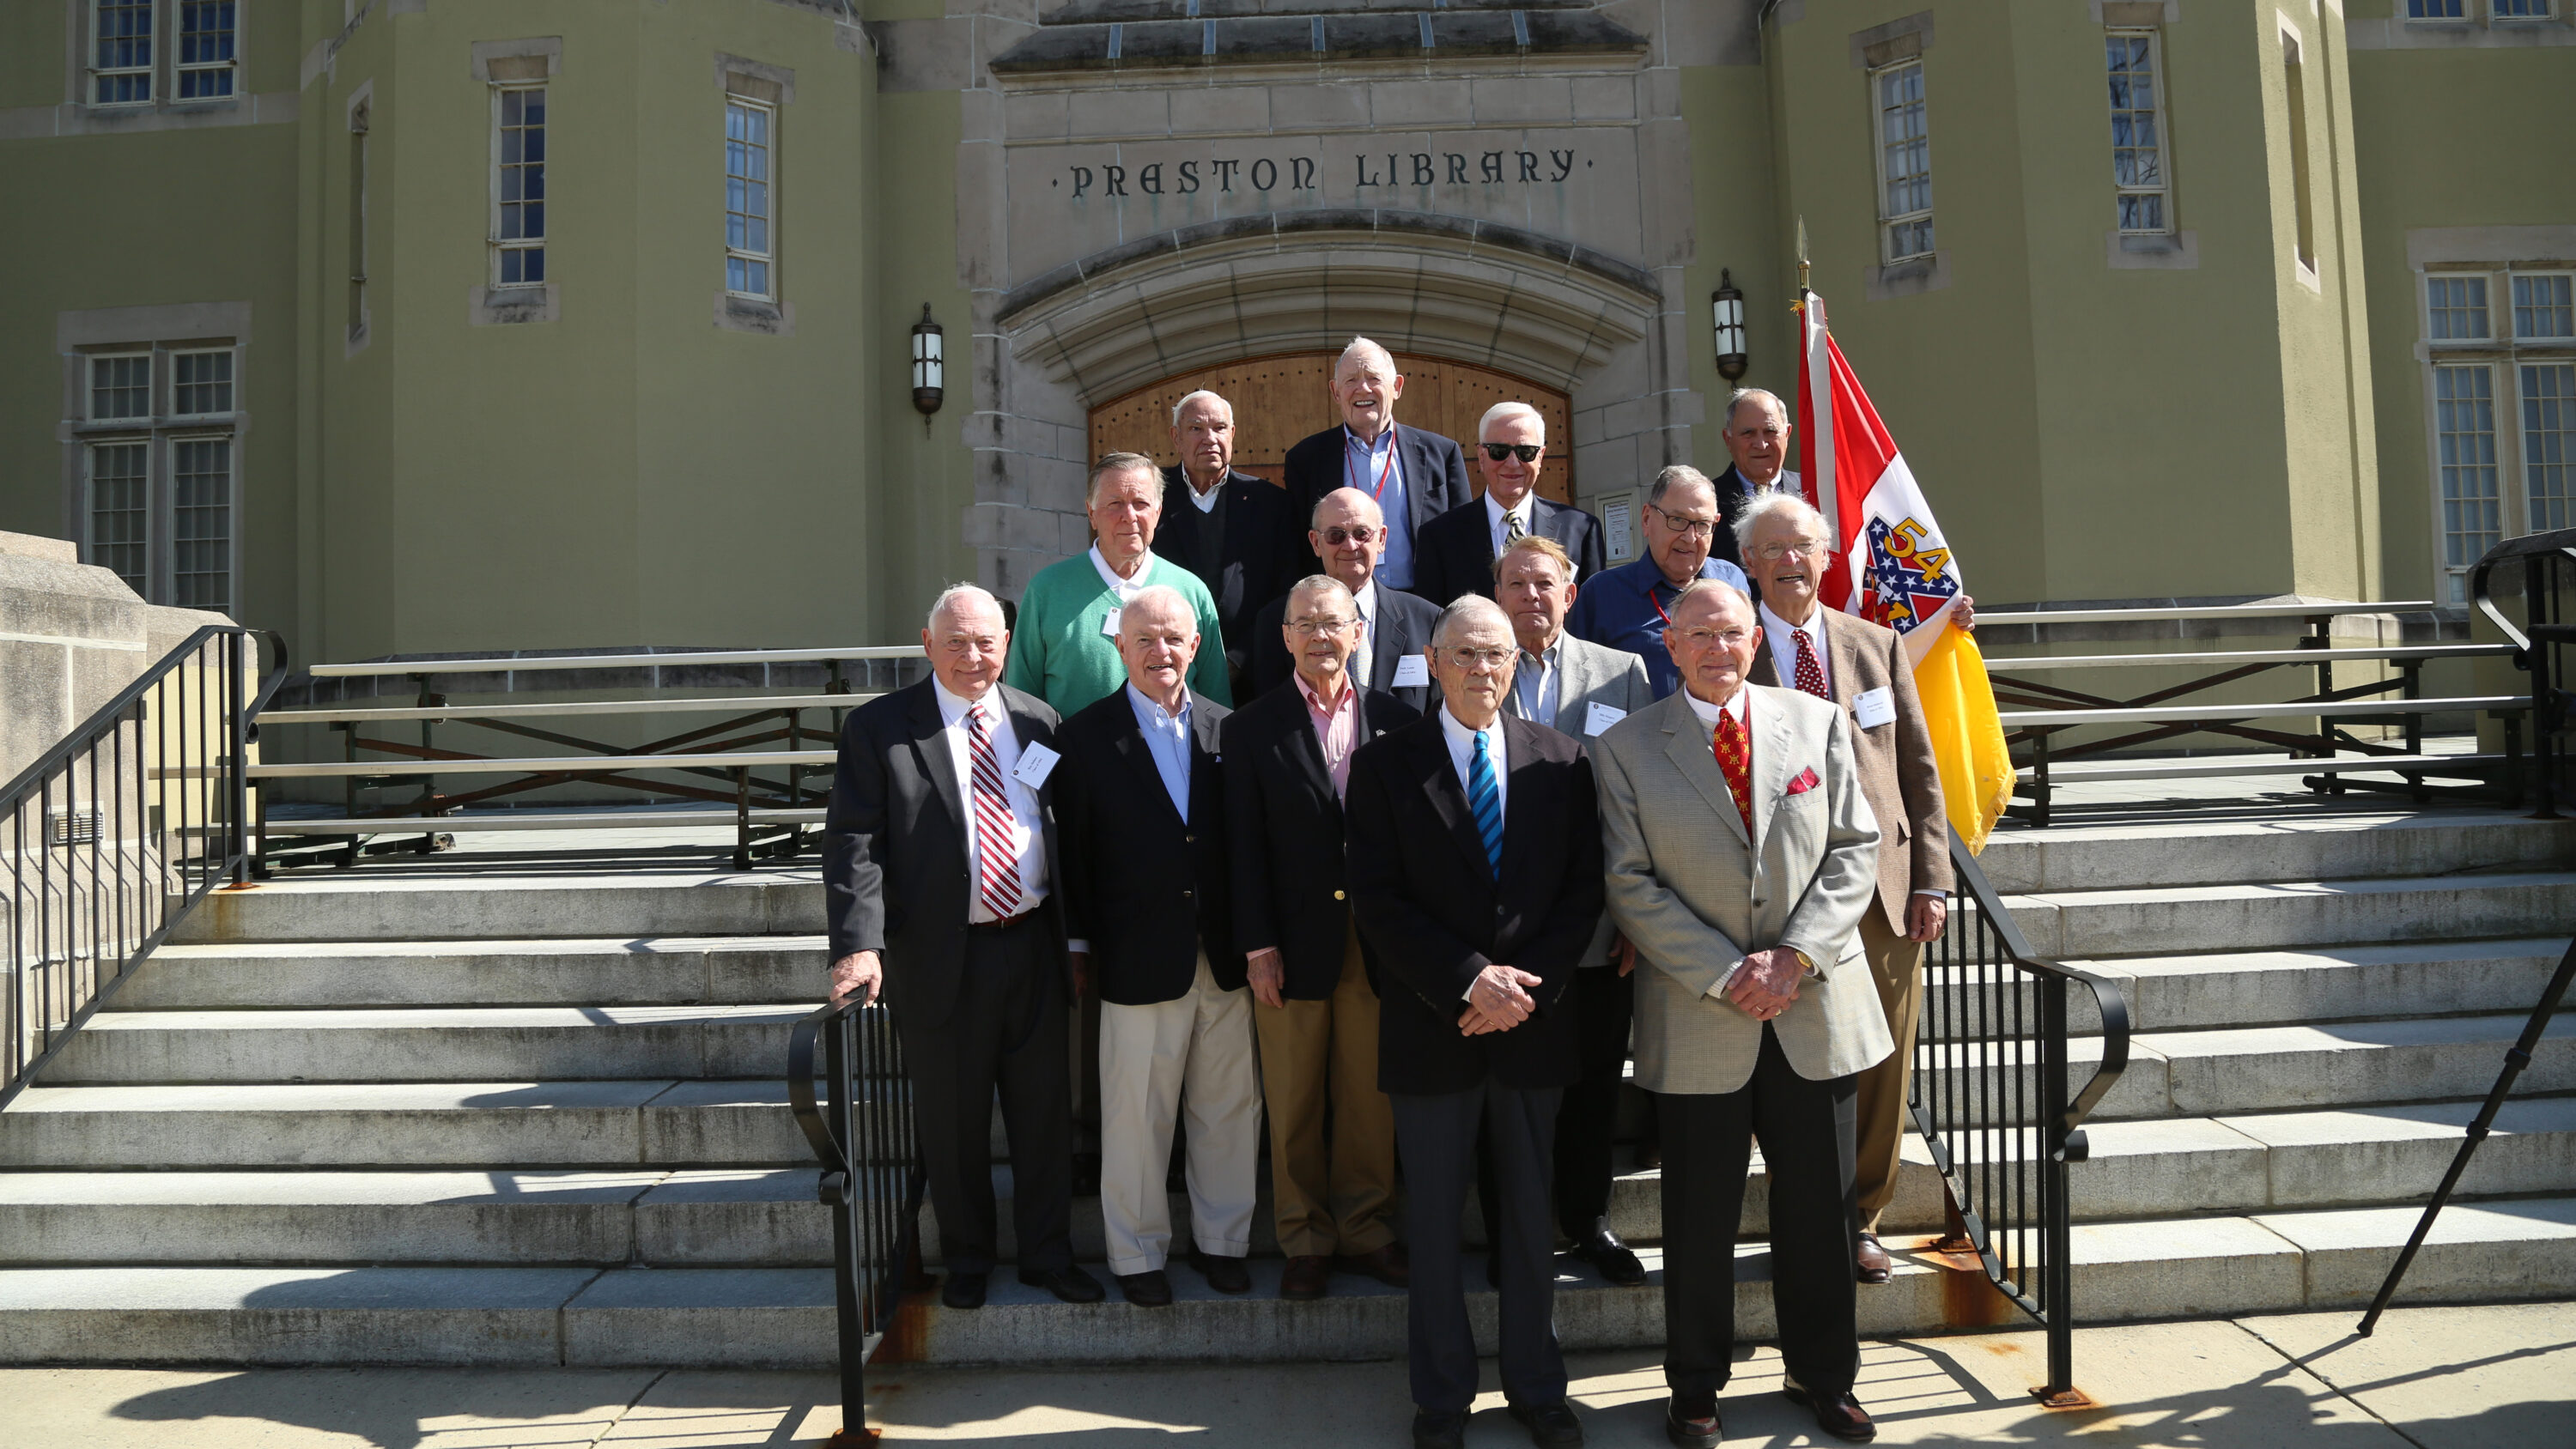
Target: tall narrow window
[[2296, 74], [519, 188], [748, 196], [357, 223], [202, 383], [2544, 307], [120, 487], [121, 53], [2138, 142], [1904, 162], [120, 387], [2549, 444], [206, 59], [201, 534], [2455, 309], [2464, 432]]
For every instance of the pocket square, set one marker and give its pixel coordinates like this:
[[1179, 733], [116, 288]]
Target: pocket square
[[1805, 782]]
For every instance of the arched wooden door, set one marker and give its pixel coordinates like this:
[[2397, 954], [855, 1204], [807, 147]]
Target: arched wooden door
[[1279, 400]]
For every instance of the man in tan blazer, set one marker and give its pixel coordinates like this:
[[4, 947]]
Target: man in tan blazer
[[1740, 856], [1862, 667]]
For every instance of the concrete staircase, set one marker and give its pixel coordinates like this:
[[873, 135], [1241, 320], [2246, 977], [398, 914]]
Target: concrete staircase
[[520, 1116]]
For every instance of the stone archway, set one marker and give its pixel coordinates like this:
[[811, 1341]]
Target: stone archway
[[1280, 399]]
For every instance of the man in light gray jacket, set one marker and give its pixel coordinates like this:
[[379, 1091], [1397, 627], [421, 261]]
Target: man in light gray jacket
[[1740, 855]]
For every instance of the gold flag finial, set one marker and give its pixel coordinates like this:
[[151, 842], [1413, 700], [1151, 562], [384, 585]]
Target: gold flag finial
[[1802, 254]]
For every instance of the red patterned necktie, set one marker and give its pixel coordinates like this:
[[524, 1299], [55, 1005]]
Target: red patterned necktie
[[1735, 762], [1811, 672], [997, 864]]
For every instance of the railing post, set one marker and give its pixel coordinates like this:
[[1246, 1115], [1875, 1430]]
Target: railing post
[[2057, 1216], [850, 1320], [2546, 751], [237, 744]]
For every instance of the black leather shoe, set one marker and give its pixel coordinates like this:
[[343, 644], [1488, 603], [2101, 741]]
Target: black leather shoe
[[1551, 1426], [1149, 1289], [1610, 1257], [1439, 1431], [963, 1290], [1691, 1422], [1068, 1283], [1225, 1275], [1841, 1416]]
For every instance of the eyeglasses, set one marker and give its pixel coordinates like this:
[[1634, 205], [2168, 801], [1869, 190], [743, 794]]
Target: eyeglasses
[[1360, 533], [1686, 527], [1773, 552], [1703, 638], [1309, 628], [1478, 658], [1526, 452]]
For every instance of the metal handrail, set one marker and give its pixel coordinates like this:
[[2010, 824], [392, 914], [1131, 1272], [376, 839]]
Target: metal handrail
[[2548, 579], [538, 663], [138, 813], [2219, 612], [862, 1131], [1991, 1097]]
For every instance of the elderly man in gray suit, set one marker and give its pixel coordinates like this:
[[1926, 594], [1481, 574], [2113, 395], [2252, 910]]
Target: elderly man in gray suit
[[1740, 855], [1578, 688]]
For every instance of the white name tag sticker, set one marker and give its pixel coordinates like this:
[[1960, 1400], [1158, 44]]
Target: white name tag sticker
[[1875, 707], [1598, 717], [1036, 763], [1412, 672], [1109, 622]]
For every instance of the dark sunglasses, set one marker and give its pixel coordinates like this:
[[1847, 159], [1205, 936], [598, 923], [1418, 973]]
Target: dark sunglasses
[[1526, 452]]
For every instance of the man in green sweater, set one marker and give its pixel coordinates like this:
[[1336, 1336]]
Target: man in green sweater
[[1064, 649]]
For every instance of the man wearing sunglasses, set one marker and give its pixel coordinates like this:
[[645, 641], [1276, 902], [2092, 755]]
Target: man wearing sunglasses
[[1413, 476], [1349, 536], [1457, 550], [1627, 607]]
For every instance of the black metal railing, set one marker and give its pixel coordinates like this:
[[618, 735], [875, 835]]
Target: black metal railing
[[115, 833], [862, 1130], [1993, 1096], [2540, 645]]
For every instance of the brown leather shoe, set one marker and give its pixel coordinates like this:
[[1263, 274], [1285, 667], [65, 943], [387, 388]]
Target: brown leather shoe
[[1389, 1265], [1871, 1259], [1841, 1416], [1306, 1278]]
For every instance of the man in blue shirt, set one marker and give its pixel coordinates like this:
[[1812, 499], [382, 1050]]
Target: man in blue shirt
[[1623, 608], [1413, 476]]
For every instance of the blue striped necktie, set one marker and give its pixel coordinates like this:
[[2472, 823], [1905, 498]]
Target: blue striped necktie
[[1487, 802]]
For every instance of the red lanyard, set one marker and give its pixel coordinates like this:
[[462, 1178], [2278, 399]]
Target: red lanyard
[[1659, 606], [1378, 493]]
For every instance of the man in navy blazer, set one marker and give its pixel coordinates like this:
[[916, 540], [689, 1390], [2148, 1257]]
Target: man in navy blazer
[[1413, 476], [1456, 552], [1240, 534]]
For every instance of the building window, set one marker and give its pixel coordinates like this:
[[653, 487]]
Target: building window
[[119, 507], [2544, 307], [2138, 141], [206, 45], [2519, 9], [749, 127], [2464, 429], [202, 383], [2455, 309], [2549, 444], [121, 57], [2435, 9], [519, 187], [120, 387], [201, 536], [357, 324], [1904, 162], [2295, 76]]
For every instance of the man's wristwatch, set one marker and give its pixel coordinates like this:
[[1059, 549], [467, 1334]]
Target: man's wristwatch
[[1805, 964]]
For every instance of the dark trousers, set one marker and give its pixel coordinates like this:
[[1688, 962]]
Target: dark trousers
[[1435, 1138], [1590, 1115], [1007, 1031], [1806, 1130]]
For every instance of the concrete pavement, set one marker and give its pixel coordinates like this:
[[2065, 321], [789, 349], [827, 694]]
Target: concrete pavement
[[2494, 1377]]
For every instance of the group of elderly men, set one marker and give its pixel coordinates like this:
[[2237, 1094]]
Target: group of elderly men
[[1399, 899]]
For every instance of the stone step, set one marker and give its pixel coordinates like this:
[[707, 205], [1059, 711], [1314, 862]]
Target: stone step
[[782, 1318], [2275, 846], [2251, 988], [497, 904], [605, 971], [428, 1044], [2171, 920]]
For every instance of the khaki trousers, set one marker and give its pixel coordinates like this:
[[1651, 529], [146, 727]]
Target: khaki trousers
[[1896, 964], [1148, 1054], [1334, 1190]]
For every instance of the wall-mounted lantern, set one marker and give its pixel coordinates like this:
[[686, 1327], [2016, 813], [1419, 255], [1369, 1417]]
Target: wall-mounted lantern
[[1727, 305], [929, 365]]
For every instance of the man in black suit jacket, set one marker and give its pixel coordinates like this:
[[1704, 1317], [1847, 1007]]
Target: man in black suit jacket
[[1287, 757], [1146, 887], [1475, 867], [1414, 476], [1349, 537], [1756, 431], [1238, 533], [940, 876], [1459, 547]]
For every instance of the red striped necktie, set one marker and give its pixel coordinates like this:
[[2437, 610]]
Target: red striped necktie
[[997, 864]]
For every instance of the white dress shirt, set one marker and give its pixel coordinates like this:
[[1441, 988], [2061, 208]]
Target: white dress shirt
[[1526, 511], [1203, 502], [1780, 637], [1539, 683], [1128, 588], [1028, 837]]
